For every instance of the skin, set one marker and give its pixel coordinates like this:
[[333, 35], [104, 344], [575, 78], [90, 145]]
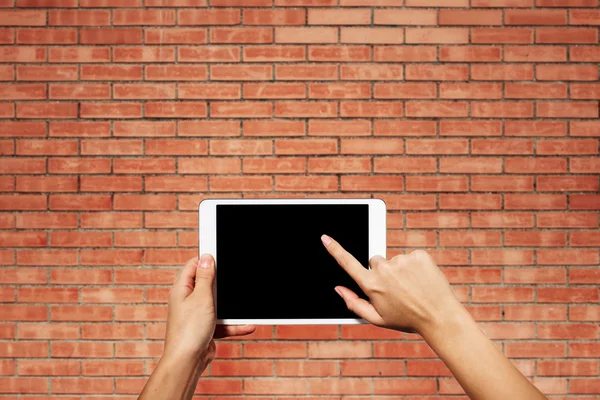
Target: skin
[[409, 293], [191, 329]]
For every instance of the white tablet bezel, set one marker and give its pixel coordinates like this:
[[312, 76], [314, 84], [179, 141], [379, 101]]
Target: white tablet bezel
[[208, 244]]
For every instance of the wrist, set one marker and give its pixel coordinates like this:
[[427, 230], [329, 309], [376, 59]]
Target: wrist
[[181, 357], [446, 323]]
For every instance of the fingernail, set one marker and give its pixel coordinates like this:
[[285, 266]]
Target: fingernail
[[205, 261], [339, 292], [325, 239]]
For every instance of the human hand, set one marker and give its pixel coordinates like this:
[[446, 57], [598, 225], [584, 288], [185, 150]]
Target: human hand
[[191, 321], [407, 293]]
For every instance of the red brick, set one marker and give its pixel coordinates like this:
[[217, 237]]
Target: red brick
[[437, 35], [502, 35], [22, 54], [80, 313], [584, 53], [22, 17], [79, 54], [241, 110], [79, 166], [584, 239], [437, 72], [293, 184], [209, 91], [273, 53], [535, 128], [110, 36], [241, 72], [23, 202], [535, 17], [112, 368], [23, 385], [159, 147], [589, 349], [504, 294], [567, 184], [371, 146], [143, 17], [371, 109], [306, 35], [241, 35], [335, 17], [470, 239], [179, 72], [175, 35], [80, 276], [46, 36], [584, 313], [405, 53], [120, 295], [410, 202], [242, 3], [571, 72], [208, 17], [567, 331], [78, 17], [501, 184], [273, 165], [535, 91], [24, 313], [144, 202], [567, 295], [584, 202], [144, 54], [305, 109], [567, 368], [140, 313], [372, 35], [404, 91], [47, 110], [503, 3], [80, 239], [535, 54], [24, 349], [111, 72], [403, 350], [82, 349], [248, 184], [176, 110], [566, 35], [144, 276], [339, 91], [470, 17], [209, 166], [143, 128], [437, 220]]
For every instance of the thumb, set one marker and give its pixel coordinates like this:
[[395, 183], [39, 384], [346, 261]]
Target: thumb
[[205, 274]]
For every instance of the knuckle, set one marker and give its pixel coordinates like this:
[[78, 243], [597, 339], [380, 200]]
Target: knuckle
[[376, 260], [420, 255], [400, 259]]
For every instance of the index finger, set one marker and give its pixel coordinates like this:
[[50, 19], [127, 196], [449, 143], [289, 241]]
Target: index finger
[[345, 259]]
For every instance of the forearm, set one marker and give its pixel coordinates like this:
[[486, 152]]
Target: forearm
[[173, 379], [476, 363]]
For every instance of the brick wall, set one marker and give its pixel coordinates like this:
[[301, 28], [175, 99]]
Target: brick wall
[[477, 121]]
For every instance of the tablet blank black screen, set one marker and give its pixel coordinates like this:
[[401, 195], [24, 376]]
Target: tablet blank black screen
[[271, 263]]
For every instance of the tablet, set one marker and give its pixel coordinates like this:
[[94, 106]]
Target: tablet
[[271, 266]]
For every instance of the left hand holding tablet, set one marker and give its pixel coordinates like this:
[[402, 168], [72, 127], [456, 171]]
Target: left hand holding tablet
[[191, 323]]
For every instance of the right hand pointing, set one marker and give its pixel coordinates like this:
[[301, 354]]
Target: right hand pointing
[[407, 293]]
